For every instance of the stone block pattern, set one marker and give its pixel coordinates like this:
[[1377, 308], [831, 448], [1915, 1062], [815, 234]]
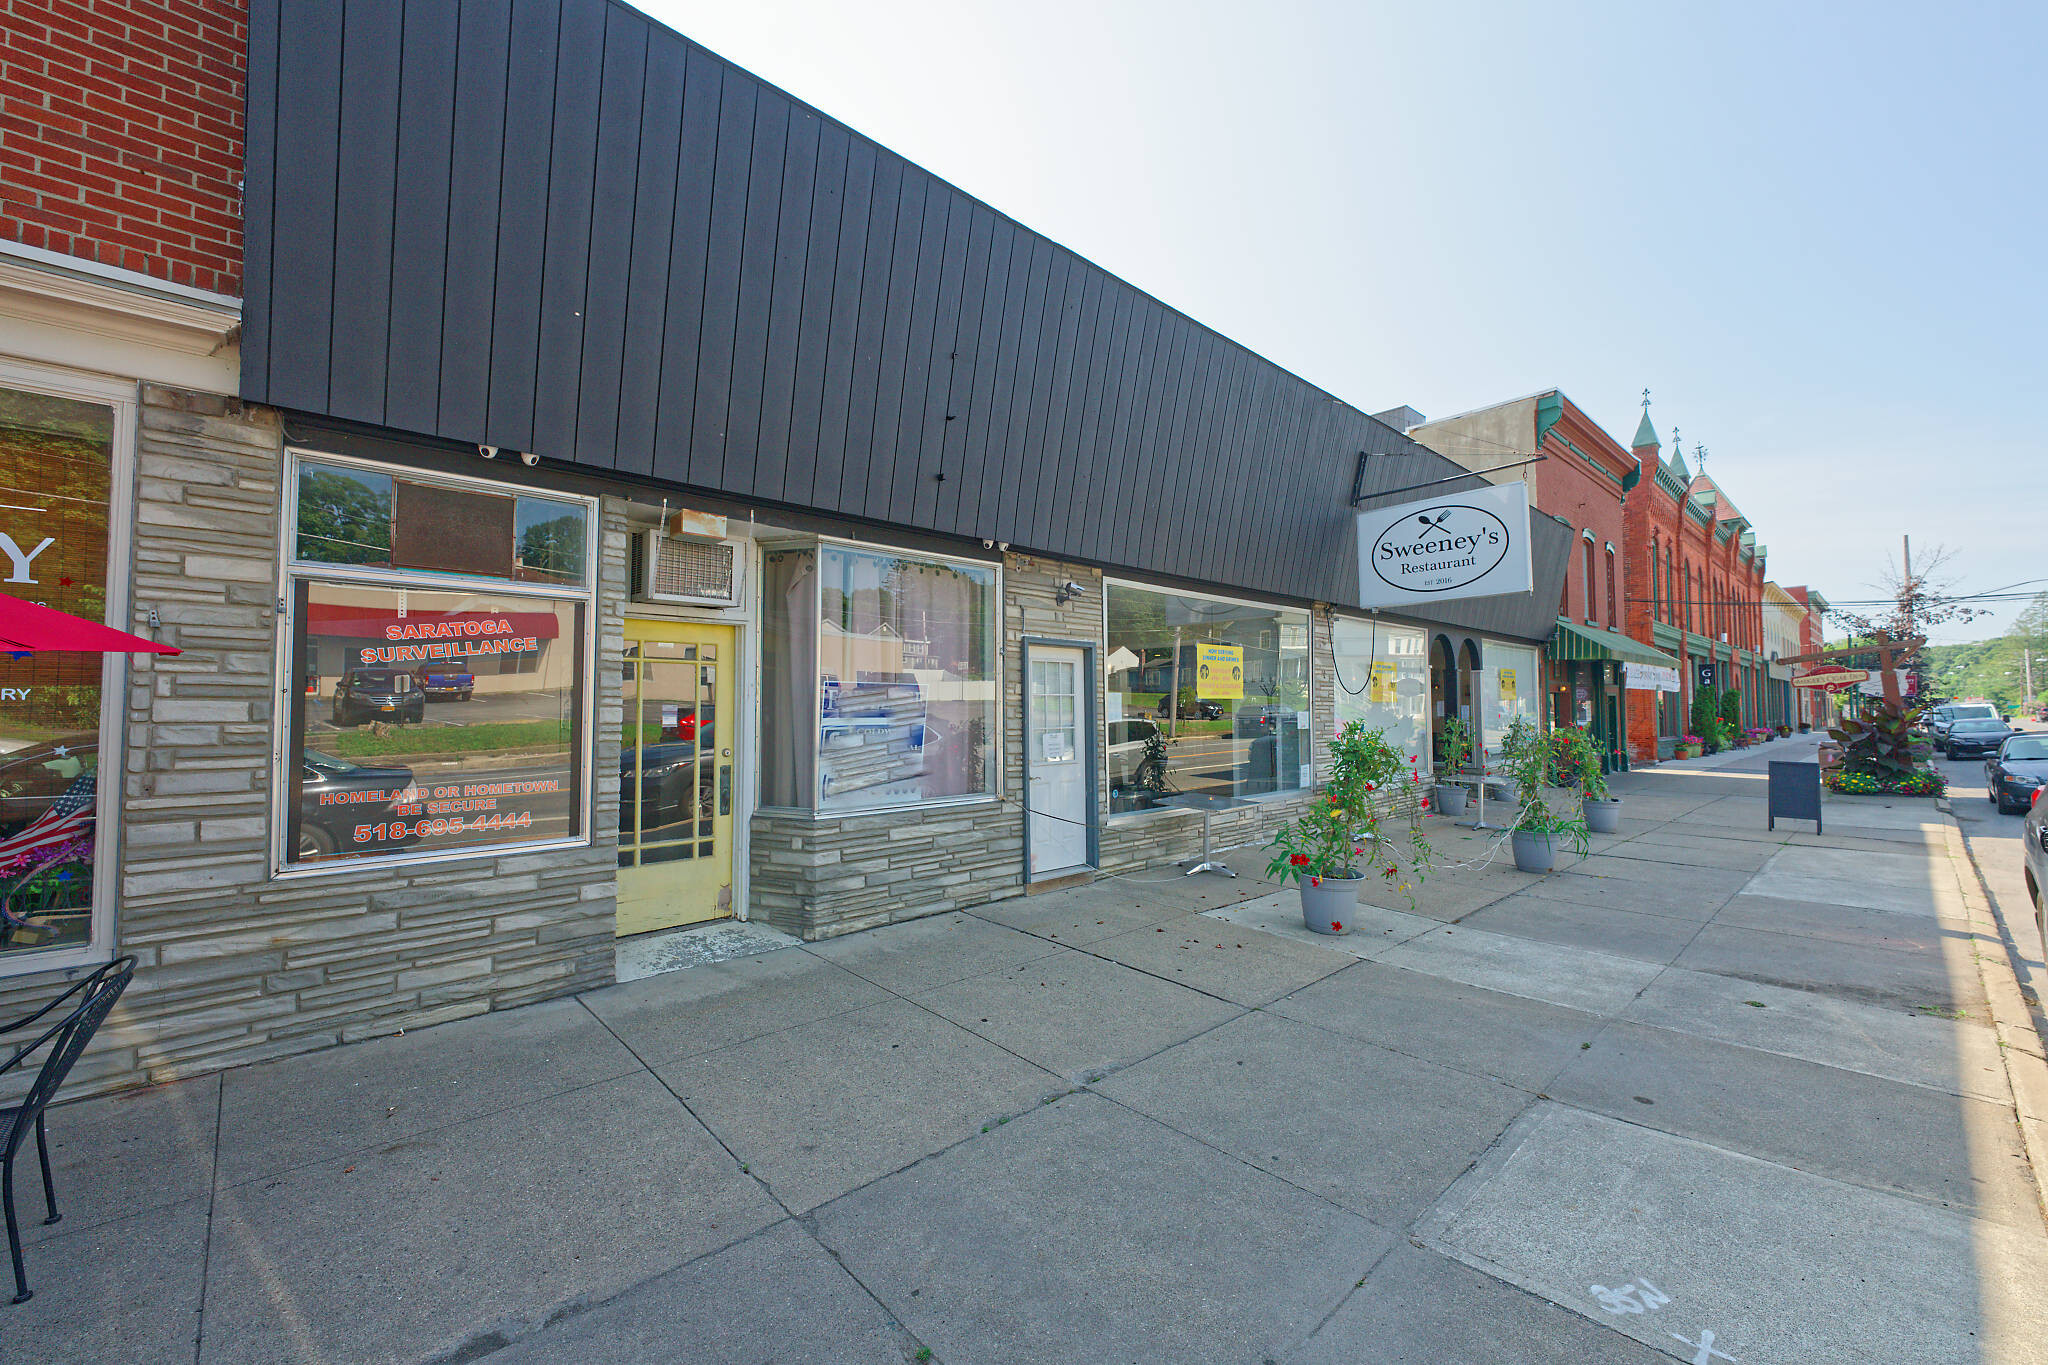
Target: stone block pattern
[[236, 965]]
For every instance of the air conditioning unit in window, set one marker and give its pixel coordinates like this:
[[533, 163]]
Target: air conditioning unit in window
[[685, 570]]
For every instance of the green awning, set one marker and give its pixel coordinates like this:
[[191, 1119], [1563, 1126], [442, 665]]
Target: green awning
[[1590, 642]]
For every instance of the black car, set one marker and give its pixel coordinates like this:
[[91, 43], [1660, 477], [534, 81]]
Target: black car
[[339, 799], [378, 694], [1970, 738], [2016, 772]]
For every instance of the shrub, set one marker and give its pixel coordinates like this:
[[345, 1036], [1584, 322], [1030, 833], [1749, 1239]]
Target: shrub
[[1340, 834]]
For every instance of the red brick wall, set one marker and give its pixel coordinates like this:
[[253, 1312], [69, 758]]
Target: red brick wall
[[121, 134]]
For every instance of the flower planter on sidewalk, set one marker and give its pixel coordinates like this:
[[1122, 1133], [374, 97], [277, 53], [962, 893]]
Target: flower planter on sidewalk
[[1603, 817], [1328, 903], [1534, 851]]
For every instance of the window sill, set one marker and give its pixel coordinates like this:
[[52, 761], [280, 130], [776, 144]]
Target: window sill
[[949, 803]]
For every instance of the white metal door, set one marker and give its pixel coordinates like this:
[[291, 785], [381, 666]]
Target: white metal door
[[1056, 760]]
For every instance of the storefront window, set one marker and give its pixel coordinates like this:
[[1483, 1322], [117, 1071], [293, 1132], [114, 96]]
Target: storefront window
[[1509, 689], [55, 481], [895, 657], [1383, 681], [1204, 696], [429, 719]]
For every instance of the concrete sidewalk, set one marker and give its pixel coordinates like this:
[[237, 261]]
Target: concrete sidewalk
[[1711, 1093]]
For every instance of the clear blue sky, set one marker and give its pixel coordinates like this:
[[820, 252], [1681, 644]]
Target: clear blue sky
[[1815, 232]]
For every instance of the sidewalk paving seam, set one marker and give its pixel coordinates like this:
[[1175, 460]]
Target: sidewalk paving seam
[[220, 1100], [809, 1231], [2011, 1019]]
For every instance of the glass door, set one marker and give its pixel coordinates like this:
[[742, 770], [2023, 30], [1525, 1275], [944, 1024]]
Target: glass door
[[676, 775]]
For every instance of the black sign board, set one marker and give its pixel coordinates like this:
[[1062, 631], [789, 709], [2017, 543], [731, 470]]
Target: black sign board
[[1795, 793]]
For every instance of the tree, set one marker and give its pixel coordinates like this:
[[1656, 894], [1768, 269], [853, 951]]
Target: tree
[[1921, 599]]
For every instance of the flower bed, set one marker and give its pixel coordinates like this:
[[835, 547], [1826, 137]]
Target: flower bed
[[1926, 782]]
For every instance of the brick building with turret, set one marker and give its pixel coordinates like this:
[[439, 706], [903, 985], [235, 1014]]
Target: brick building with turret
[[1695, 590]]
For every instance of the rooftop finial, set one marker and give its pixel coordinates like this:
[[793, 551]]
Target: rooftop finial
[[1646, 435], [1699, 458]]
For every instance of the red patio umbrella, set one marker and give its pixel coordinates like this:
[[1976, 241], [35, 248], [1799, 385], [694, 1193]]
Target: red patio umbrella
[[28, 628]]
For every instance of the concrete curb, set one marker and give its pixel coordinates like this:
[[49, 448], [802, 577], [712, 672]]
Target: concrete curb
[[2019, 1043]]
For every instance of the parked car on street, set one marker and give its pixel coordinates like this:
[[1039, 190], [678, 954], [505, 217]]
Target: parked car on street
[[1946, 715], [329, 826], [377, 694], [2016, 772], [1971, 738], [440, 681]]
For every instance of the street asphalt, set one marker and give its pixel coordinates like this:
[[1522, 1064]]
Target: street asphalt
[[1713, 1093]]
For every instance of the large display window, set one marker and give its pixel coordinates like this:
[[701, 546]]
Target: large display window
[[56, 491], [1205, 696], [878, 678], [1383, 681], [432, 716], [1510, 689]]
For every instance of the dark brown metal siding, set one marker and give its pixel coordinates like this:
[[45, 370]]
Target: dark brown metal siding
[[554, 225]]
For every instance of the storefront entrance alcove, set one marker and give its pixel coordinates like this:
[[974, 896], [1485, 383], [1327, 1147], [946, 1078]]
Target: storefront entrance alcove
[[1450, 685], [676, 769]]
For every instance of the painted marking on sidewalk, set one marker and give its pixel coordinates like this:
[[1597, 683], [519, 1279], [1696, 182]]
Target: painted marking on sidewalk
[[1706, 1354], [1637, 1296]]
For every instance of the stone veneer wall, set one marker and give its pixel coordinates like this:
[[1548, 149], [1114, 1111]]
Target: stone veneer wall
[[234, 965]]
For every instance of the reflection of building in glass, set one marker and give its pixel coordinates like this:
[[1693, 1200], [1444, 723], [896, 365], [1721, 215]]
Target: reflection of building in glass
[[516, 645]]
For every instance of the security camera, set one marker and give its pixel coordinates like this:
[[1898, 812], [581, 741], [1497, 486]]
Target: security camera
[[1003, 545], [488, 452], [988, 545], [1069, 590], [528, 458]]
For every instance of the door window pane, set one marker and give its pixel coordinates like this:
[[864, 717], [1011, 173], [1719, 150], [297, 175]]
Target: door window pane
[[1238, 672], [55, 479], [407, 736]]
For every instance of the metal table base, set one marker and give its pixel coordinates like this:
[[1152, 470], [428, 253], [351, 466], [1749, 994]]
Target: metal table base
[[1208, 862]]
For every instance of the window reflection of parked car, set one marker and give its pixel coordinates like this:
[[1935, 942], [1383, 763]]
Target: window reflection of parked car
[[377, 694], [31, 778], [326, 828], [1129, 765], [438, 681], [665, 800]]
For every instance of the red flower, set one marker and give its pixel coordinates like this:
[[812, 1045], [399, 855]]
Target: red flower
[[1393, 872], [1425, 803], [1315, 881], [1299, 860], [1336, 927]]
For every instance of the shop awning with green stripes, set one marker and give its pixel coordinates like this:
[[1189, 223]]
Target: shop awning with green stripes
[[1573, 642]]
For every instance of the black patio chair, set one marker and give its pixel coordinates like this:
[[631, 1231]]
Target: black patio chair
[[66, 1038]]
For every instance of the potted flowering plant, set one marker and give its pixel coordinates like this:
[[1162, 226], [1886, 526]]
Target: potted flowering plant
[[1453, 752], [1336, 846], [1690, 746], [1537, 828], [1577, 762]]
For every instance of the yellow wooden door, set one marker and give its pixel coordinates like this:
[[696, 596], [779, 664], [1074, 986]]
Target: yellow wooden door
[[676, 775]]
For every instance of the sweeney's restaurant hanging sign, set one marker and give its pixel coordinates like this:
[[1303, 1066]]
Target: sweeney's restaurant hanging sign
[[1470, 544]]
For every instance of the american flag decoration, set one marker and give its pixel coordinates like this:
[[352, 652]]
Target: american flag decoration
[[69, 816]]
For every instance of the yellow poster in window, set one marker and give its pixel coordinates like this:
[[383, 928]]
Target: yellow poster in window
[[1379, 687], [1507, 684], [1219, 671]]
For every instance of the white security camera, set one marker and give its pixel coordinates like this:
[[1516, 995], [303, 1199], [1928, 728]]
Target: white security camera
[[488, 452], [528, 458], [988, 545], [1073, 589]]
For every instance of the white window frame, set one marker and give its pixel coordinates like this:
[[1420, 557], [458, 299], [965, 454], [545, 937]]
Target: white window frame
[[1001, 665], [121, 395], [1308, 615], [290, 568]]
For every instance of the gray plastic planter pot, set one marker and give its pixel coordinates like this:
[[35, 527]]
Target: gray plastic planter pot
[[1535, 852], [1603, 817], [1328, 908], [1451, 800]]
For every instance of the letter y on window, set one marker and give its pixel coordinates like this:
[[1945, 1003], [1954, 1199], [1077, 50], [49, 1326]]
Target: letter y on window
[[22, 561]]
